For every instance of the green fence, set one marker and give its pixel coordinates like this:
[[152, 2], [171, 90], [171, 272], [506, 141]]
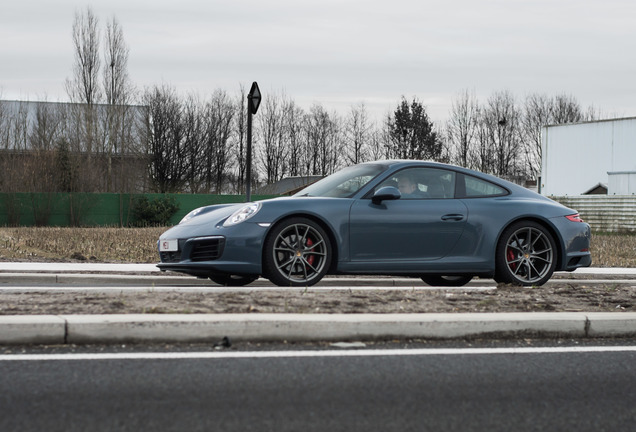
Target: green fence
[[85, 209]]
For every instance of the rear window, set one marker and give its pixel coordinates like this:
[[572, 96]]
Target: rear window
[[476, 187]]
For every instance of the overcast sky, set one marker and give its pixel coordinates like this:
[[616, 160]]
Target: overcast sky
[[342, 52]]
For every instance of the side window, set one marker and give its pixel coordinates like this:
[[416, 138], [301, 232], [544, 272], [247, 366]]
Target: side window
[[476, 187], [421, 183]]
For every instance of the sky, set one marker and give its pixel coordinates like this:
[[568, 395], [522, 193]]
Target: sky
[[340, 53]]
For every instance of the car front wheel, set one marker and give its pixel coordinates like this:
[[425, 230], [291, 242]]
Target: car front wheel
[[526, 255], [297, 253]]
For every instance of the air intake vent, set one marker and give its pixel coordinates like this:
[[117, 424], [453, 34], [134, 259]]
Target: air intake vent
[[170, 257], [207, 249]]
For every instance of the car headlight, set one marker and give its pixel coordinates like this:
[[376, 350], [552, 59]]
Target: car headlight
[[242, 214], [192, 214]]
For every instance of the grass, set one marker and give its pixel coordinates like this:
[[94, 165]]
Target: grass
[[135, 245], [139, 245], [613, 250]]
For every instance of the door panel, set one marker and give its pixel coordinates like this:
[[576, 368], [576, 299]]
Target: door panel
[[416, 229]]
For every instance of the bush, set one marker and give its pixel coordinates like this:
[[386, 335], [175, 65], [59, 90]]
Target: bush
[[156, 212]]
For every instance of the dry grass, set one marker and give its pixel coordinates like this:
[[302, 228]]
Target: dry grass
[[613, 250], [139, 245], [135, 245]]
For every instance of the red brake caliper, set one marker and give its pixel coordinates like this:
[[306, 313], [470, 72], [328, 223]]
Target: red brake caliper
[[510, 255], [310, 258]]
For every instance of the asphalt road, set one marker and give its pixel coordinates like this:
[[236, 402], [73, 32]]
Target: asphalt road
[[402, 390]]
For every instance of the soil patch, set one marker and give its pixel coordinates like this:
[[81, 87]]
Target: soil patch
[[554, 297]]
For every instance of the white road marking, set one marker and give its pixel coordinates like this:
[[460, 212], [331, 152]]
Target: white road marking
[[220, 289], [312, 354]]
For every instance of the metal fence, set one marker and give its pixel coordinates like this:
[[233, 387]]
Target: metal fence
[[611, 213], [99, 209]]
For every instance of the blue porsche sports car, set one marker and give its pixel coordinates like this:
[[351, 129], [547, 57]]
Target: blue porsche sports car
[[441, 223]]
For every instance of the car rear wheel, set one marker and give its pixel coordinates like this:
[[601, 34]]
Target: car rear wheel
[[297, 253], [526, 255], [447, 281], [233, 280]]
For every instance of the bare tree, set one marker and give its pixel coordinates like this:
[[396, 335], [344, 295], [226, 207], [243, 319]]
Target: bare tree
[[357, 133], [19, 125], [220, 113], [537, 113], [167, 168], [293, 125], [117, 87], [273, 150], [5, 126], [14, 129], [461, 127], [500, 151], [332, 158], [83, 87], [194, 136], [47, 127], [118, 92], [377, 145], [322, 153], [566, 109]]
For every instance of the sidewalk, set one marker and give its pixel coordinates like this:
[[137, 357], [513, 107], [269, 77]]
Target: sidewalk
[[102, 329]]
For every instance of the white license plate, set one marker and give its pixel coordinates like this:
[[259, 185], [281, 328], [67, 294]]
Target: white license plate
[[169, 245]]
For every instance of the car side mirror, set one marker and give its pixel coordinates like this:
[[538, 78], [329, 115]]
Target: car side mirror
[[386, 193]]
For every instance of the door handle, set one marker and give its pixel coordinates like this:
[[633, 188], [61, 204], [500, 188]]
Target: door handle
[[452, 217]]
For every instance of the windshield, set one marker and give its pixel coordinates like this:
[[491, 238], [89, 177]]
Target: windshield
[[343, 183]]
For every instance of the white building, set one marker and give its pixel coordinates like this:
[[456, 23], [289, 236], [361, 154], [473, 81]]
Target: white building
[[580, 157]]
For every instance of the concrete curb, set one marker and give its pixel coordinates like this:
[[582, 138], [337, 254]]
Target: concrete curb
[[104, 329], [32, 329], [99, 329]]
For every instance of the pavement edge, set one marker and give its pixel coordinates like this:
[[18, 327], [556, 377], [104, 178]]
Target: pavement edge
[[106, 329]]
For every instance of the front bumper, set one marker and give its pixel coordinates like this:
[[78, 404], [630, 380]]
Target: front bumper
[[234, 250]]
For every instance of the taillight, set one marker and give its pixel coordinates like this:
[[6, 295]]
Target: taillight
[[574, 218]]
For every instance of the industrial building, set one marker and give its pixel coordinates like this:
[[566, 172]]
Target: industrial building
[[589, 158]]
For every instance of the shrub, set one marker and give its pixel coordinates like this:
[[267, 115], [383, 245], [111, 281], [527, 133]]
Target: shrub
[[156, 212]]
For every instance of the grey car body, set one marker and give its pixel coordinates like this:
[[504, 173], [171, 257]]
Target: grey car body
[[456, 224]]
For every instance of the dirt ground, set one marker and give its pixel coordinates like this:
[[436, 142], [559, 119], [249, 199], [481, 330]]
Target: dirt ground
[[560, 295]]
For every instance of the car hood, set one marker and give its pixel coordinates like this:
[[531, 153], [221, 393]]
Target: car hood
[[270, 212], [211, 214]]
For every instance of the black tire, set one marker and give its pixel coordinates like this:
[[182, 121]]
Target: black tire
[[233, 280], [447, 281], [526, 255], [297, 252]]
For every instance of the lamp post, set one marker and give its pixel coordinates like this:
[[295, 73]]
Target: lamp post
[[253, 101]]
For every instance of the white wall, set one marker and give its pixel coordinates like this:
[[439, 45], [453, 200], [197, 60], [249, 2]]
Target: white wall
[[576, 157]]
